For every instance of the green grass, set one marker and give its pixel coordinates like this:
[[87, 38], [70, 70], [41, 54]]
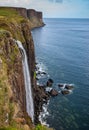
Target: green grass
[[41, 127], [9, 12], [11, 21]]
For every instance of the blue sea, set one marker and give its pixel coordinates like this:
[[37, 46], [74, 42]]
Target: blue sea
[[62, 45]]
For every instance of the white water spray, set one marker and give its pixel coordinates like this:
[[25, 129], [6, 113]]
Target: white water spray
[[27, 79]]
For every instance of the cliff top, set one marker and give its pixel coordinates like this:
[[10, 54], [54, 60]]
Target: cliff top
[[12, 21], [10, 14], [20, 15]]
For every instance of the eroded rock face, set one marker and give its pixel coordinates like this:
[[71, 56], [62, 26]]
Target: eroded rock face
[[40, 97], [22, 12], [12, 61], [35, 18], [18, 29]]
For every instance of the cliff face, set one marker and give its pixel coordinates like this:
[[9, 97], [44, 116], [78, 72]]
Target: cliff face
[[12, 88], [14, 24], [35, 18]]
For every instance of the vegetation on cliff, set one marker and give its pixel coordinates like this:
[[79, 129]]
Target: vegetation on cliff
[[13, 114], [12, 91]]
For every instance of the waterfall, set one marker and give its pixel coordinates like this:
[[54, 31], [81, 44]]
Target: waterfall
[[27, 79]]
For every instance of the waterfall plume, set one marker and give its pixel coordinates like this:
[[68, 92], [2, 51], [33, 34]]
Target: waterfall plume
[[27, 80]]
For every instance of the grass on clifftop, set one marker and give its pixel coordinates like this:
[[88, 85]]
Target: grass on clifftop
[[11, 21], [10, 13]]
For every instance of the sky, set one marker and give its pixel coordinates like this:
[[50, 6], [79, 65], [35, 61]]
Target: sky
[[54, 8]]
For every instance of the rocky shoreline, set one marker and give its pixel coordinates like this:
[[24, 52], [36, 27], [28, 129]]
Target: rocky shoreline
[[43, 93]]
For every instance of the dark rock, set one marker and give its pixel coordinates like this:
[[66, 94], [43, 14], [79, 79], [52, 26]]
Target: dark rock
[[36, 63], [69, 87], [64, 92], [54, 92], [60, 85], [40, 97], [49, 82], [43, 73], [37, 78], [39, 72]]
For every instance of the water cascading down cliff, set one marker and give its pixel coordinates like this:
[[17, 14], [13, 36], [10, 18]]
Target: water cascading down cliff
[[27, 79]]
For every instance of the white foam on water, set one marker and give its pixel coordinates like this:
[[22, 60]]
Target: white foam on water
[[71, 91], [63, 88], [43, 115], [42, 69], [48, 89]]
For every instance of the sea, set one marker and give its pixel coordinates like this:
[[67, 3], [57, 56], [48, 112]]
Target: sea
[[62, 48]]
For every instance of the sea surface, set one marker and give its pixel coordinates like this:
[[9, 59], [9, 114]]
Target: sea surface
[[62, 46]]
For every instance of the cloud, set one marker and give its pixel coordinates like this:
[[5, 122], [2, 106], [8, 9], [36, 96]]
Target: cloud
[[23, 3], [53, 8]]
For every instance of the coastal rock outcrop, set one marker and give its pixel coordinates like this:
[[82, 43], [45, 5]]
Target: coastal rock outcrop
[[35, 17]]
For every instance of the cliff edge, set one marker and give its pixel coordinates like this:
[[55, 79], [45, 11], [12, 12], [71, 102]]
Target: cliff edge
[[35, 17], [15, 24]]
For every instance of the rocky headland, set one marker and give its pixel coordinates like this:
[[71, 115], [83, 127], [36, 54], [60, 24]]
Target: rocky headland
[[16, 23], [35, 17]]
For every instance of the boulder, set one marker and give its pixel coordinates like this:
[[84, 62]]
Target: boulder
[[68, 87], [43, 73], [49, 82], [65, 92], [60, 85], [54, 92]]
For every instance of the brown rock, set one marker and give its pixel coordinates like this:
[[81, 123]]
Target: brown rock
[[65, 92], [54, 92], [49, 82], [68, 86]]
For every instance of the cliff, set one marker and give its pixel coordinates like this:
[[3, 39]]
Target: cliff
[[13, 115], [12, 89], [36, 19]]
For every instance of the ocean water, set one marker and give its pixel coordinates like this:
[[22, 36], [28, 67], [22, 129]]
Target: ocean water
[[63, 47]]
